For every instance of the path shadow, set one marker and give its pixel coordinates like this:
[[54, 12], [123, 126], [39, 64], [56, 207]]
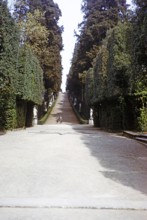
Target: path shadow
[[122, 160]]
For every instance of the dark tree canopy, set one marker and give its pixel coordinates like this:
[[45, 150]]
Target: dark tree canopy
[[50, 14], [109, 69], [30, 45]]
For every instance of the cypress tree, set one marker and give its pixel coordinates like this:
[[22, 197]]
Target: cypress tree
[[99, 17], [9, 39], [48, 45], [140, 61], [21, 81]]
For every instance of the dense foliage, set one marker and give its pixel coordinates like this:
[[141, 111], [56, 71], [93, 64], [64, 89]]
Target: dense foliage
[[9, 38], [109, 70], [99, 16], [38, 21], [30, 61], [140, 60]]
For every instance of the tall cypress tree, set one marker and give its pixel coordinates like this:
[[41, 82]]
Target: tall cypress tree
[[140, 59], [49, 53], [52, 66], [141, 31], [9, 38], [99, 17]]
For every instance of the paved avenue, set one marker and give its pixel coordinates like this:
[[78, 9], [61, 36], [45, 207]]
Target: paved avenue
[[72, 172]]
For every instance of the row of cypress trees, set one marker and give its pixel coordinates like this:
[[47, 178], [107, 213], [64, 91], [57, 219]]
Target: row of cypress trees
[[109, 67], [30, 61]]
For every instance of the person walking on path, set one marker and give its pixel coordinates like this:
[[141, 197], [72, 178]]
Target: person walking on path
[[62, 108], [59, 119]]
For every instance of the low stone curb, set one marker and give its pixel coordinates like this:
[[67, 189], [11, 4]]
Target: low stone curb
[[137, 136]]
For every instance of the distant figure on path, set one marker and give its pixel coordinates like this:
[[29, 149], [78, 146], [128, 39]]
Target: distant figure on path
[[59, 119]]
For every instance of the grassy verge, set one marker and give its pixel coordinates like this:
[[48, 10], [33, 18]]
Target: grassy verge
[[81, 120], [45, 117]]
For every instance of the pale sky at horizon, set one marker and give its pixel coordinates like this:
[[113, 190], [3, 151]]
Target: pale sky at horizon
[[71, 17]]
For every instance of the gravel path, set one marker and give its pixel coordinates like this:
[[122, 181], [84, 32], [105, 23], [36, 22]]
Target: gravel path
[[70, 171], [64, 109]]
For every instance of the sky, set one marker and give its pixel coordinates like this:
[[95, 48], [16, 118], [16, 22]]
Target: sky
[[71, 17]]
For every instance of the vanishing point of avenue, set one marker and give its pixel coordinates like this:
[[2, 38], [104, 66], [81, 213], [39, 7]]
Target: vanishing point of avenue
[[69, 171]]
